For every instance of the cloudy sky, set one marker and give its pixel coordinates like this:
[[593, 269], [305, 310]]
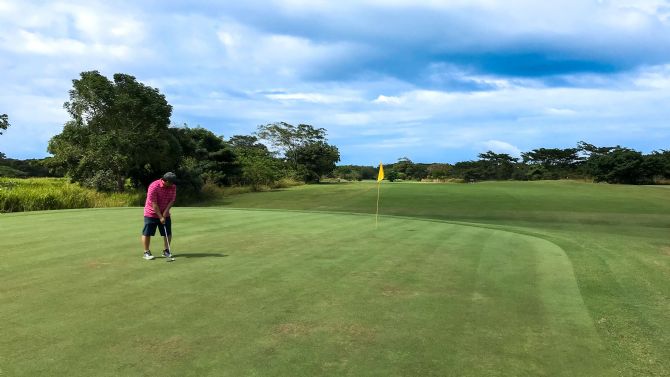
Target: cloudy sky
[[435, 81]]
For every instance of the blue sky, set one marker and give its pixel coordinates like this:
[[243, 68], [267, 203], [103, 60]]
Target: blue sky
[[435, 81]]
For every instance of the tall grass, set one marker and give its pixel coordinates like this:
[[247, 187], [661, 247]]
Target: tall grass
[[35, 194]]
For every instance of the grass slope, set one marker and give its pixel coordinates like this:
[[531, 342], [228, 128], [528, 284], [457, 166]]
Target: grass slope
[[309, 294], [616, 237], [555, 279]]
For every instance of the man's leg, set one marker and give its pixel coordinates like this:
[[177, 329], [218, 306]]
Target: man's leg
[[146, 241], [147, 232]]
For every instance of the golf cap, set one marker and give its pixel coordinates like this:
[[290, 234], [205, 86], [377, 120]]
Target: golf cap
[[169, 177]]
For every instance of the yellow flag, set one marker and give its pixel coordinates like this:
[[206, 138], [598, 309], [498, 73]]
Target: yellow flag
[[380, 177]]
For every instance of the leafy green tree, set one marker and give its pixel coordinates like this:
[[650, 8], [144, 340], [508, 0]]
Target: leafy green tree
[[118, 130], [215, 157], [470, 171], [4, 125], [259, 167], [497, 165], [590, 149], [439, 171], [392, 175], [657, 164], [355, 172], [4, 122], [618, 165], [316, 160], [552, 163], [407, 169], [348, 172], [298, 145]]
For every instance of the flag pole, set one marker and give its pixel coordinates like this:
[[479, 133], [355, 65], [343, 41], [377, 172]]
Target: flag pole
[[380, 177], [379, 184]]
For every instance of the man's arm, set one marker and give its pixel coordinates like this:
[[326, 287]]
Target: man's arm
[[167, 209], [157, 211]]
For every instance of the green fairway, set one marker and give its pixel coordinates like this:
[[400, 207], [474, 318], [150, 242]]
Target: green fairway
[[509, 279]]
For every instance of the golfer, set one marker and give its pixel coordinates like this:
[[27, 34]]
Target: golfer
[[160, 198]]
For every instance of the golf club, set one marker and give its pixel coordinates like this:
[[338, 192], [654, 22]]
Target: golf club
[[167, 241]]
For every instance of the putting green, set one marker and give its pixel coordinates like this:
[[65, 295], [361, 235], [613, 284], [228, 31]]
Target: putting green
[[286, 293]]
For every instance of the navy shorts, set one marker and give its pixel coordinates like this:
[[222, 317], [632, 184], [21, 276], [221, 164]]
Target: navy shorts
[[151, 223]]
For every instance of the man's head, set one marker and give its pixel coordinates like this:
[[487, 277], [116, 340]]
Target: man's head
[[169, 178]]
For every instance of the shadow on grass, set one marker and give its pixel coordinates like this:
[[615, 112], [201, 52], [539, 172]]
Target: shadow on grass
[[199, 255]]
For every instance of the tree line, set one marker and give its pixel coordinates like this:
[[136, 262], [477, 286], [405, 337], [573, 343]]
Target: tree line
[[586, 161], [119, 136]]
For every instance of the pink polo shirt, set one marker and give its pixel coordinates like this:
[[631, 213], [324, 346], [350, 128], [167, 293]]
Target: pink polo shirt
[[161, 194]]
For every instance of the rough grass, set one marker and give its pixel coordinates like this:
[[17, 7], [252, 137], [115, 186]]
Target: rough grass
[[35, 194]]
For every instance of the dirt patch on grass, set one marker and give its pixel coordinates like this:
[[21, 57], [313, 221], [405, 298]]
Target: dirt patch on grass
[[355, 332], [171, 348], [94, 264], [391, 290], [665, 250], [293, 329], [395, 291], [352, 332]]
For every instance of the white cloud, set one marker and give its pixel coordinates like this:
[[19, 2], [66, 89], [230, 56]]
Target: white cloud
[[391, 100], [500, 147], [29, 42], [311, 97], [231, 66]]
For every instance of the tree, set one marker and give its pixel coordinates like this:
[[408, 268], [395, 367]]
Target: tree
[[553, 163], [4, 125], [4, 122], [657, 164], [316, 159], [470, 171], [439, 171], [286, 139], [259, 167], [497, 165], [118, 130], [406, 169], [306, 151], [590, 149], [214, 157], [619, 165]]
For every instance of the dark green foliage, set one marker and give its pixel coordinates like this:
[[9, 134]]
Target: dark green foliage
[[4, 122], [392, 176], [355, 173], [215, 157], [7, 171], [406, 169], [118, 126], [189, 180], [300, 146], [102, 180], [258, 166], [497, 166], [553, 163], [619, 165], [316, 160], [439, 171], [25, 168]]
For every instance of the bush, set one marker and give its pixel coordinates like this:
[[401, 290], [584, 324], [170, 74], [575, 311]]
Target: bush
[[103, 180]]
